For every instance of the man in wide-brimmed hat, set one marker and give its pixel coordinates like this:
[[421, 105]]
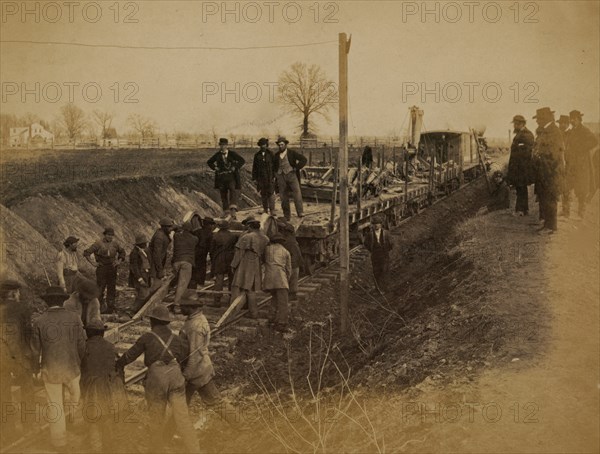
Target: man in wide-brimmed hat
[[163, 353], [521, 172], [84, 300], [158, 251], [581, 157], [139, 272], [58, 343], [291, 244], [549, 155], [67, 264], [221, 255], [278, 270], [227, 164], [263, 176], [184, 258], [102, 388], [286, 166], [247, 265], [108, 254], [205, 237]]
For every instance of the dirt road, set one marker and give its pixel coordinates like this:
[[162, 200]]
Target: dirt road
[[544, 398]]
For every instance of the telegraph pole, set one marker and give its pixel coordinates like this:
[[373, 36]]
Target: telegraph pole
[[344, 48]]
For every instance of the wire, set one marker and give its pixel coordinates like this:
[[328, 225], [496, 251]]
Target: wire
[[117, 46]]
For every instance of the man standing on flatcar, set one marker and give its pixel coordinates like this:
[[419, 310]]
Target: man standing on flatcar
[[286, 166], [227, 164], [520, 164], [378, 243], [263, 176]]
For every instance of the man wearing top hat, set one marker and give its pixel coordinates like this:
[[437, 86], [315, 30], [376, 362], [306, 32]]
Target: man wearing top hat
[[108, 254], [580, 167], [67, 264], [286, 166], [139, 272], [520, 165], [263, 176], [58, 343], [227, 164], [549, 154]]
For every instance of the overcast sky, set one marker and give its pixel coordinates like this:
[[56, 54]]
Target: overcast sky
[[544, 52]]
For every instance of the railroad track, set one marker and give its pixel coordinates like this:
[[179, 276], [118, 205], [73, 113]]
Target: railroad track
[[223, 337]]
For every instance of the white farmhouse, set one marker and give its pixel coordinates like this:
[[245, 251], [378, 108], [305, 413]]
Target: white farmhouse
[[34, 135]]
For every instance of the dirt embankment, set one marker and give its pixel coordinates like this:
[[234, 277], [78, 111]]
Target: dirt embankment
[[47, 197]]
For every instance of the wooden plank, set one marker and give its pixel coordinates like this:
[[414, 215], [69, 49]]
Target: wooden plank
[[238, 302]]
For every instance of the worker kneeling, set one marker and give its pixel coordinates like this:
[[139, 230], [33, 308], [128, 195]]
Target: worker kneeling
[[163, 353]]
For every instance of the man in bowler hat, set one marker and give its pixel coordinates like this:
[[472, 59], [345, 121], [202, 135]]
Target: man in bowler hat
[[549, 154], [520, 164], [580, 167], [263, 176], [227, 164]]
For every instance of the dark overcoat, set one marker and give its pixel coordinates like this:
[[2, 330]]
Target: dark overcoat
[[225, 169], [549, 156], [520, 164]]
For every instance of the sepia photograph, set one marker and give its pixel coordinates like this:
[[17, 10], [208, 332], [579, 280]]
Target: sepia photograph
[[354, 226]]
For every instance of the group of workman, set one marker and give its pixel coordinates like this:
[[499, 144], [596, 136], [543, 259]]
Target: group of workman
[[64, 347], [559, 160]]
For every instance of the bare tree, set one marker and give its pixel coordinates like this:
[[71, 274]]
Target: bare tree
[[104, 120], [73, 120], [143, 126], [305, 90]]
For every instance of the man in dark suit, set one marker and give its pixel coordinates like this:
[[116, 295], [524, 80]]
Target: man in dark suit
[[159, 247], [580, 167], [549, 153], [520, 165], [139, 272], [378, 243], [221, 255], [227, 164], [263, 176], [286, 166]]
